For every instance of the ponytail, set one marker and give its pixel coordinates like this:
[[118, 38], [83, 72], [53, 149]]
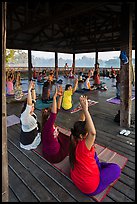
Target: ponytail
[[79, 129], [45, 115], [72, 149]]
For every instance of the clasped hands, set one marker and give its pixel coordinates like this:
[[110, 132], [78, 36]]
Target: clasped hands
[[84, 102]]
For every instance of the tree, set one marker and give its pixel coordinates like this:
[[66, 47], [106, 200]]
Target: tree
[[9, 55], [16, 57]]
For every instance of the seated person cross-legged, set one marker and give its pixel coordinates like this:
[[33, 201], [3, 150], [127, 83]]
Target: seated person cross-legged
[[87, 85], [67, 96], [46, 92], [30, 136], [97, 82], [89, 174]]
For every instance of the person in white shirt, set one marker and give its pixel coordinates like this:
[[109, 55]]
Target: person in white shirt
[[87, 85], [30, 136]]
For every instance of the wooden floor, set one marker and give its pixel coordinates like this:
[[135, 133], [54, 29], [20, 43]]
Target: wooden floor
[[32, 179]]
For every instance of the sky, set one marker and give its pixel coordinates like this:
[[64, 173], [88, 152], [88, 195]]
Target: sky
[[101, 55]]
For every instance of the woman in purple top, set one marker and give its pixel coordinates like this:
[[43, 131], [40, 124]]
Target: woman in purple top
[[55, 145]]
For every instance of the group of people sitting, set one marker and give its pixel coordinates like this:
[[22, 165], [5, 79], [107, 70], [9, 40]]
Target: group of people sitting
[[89, 174], [13, 84], [109, 73], [46, 96], [92, 74], [42, 76], [69, 72]]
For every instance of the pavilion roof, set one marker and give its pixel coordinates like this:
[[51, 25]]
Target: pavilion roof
[[66, 26]]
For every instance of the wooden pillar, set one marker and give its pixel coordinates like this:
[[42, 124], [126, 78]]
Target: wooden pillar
[[73, 64], [96, 60], [5, 188], [125, 70], [56, 59], [56, 65], [29, 65]]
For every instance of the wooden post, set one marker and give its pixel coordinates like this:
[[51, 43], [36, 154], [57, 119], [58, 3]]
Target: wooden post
[[73, 64], [29, 65], [5, 191], [56, 59], [96, 61], [56, 65], [125, 71]]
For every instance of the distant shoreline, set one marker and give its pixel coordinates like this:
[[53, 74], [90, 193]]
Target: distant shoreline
[[60, 68]]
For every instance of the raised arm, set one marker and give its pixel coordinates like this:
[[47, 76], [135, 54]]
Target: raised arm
[[60, 94], [7, 74], [75, 85], [89, 123], [54, 104], [82, 116], [12, 71], [59, 102], [29, 98], [33, 93]]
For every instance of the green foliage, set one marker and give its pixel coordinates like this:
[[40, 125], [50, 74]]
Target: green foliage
[[16, 57], [9, 55]]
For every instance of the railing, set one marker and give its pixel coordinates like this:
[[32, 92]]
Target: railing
[[25, 69]]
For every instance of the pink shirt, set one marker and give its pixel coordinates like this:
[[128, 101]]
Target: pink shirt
[[85, 175], [9, 86], [97, 79]]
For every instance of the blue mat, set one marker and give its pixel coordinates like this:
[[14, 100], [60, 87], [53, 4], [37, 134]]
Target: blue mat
[[40, 105]]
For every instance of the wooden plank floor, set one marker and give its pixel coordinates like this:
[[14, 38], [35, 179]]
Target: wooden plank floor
[[33, 179]]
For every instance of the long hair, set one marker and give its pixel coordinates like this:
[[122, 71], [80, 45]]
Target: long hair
[[78, 129], [47, 84], [45, 115]]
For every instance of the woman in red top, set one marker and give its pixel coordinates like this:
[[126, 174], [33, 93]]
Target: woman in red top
[[96, 76], [87, 173]]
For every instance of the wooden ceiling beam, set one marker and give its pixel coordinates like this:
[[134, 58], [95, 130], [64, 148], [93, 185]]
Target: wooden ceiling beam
[[83, 23], [65, 14], [18, 19]]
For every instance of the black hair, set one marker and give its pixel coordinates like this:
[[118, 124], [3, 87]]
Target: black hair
[[45, 115], [25, 104], [78, 129], [47, 83], [43, 71], [10, 77], [86, 77], [67, 86], [97, 63]]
